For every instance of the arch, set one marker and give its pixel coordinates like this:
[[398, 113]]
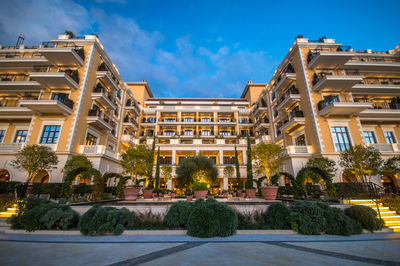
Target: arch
[[41, 177], [288, 183], [389, 183], [4, 175]]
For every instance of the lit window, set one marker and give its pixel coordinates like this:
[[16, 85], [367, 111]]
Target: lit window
[[20, 137], [369, 137], [341, 138], [389, 136], [91, 139], [50, 134]]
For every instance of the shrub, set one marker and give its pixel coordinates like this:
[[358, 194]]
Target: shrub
[[199, 186], [341, 224], [211, 218], [101, 220], [10, 187], [82, 189], [366, 216], [6, 201], [314, 191], [286, 190], [277, 216], [54, 189], [112, 190], [38, 214], [350, 190], [149, 220], [307, 218], [178, 214]]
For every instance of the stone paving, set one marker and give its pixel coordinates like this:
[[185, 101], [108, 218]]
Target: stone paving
[[365, 249]]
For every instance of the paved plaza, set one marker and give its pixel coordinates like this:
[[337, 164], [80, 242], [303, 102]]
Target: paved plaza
[[256, 249]]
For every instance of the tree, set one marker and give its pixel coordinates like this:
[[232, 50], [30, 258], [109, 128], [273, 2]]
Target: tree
[[196, 169], [149, 176], [228, 171], [35, 158], [237, 170], [77, 161], [361, 162], [157, 175], [269, 158], [328, 166], [166, 171], [249, 182], [137, 161], [391, 166]]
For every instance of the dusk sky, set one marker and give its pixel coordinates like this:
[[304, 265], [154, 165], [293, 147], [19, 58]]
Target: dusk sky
[[202, 48]]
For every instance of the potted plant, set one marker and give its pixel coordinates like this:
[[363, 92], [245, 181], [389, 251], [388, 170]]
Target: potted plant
[[200, 190], [131, 192], [225, 193], [173, 194], [269, 159], [189, 195]]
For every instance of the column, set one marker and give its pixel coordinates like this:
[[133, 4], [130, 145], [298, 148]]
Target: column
[[225, 183], [173, 156], [169, 184], [221, 157]]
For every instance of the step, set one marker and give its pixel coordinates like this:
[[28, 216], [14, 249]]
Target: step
[[12, 209], [391, 218], [6, 214], [395, 222], [381, 208], [361, 201]]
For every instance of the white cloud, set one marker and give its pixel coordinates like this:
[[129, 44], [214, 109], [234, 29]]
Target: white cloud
[[182, 71]]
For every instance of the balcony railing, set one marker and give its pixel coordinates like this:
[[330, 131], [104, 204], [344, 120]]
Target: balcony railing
[[62, 98], [73, 74]]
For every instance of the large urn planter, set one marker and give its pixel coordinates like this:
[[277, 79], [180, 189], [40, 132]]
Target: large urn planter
[[147, 193], [131, 193], [200, 194], [189, 198], [251, 192], [240, 193], [269, 192]]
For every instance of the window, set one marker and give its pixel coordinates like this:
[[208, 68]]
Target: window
[[169, 133], [2, 134], [20, 137], [206, 133], [300, 141], [165, 160], [229, 160], [243, 120], [341, 138], [151, 120], [389, 136], [188, 119], [170, 120], [91, 140], [188, 132], [50, 134], [206, 119], [225, 120], [369, 137], [225, 133], [331, 98]]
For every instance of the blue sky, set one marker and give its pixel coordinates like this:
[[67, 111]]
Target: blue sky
[[194, 48]]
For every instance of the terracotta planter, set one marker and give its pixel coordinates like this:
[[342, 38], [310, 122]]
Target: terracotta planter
[[28, 192], [210, 197], [269, 192], [200, 194], [131, 193], [154, 195], [189, 198], [147, 193], [251, 193], [225, 195], [173, 195], [239, 193]]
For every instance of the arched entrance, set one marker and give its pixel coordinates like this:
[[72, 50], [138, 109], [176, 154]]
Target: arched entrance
[[41, 177], [287, 182], [389, 184], [4, 175]]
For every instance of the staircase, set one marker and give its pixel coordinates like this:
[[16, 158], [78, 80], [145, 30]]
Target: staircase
[[391, 219]]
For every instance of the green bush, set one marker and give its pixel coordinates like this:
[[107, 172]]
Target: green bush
[[350, 190], [314, 191], [211, 218], [341, 224], [277, 216], [307, 218], [178, 214], [82, 189], [101, 220], [112, 190], [6, 201], [54, 189], [38, 214], [366, 216], [199, 186], [149, 220], [10, 187], [286, 190]]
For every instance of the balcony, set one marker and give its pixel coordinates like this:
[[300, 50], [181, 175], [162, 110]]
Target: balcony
[[19, 86], [386, 148], [23, 62], [327, 82], [289, 98], [97, 150], [226, 122], [15, 113], [262, 123], [381, 112], [63, 56], [130, 123], [167, 122], [55, 106], [57, 80], [95, 117], [375, 89], [103, 97], [148, 122], [367, 65], [149, 111], [327, 109], [263, 139], [329, 59], [298, 150], [10, 147], [296, 119], [284, 80], [107, 79], [129, 140], [133, 109]]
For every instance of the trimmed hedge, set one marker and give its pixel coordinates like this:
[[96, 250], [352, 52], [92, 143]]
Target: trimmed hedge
[[10, 187], [307, 218], [211, 218], [39, 214], [101, 220], [277, 216], [350, 190], [54, 189], [366, 216], [178, 214], [83, 189]]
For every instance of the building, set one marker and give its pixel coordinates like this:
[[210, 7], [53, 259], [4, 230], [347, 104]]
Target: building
[[68, 95], [323, 98]]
